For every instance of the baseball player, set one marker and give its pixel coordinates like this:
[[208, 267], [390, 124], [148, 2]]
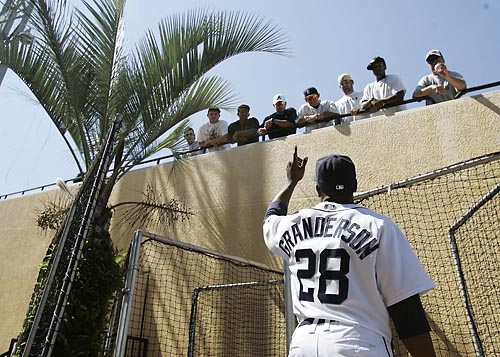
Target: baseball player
[[352, 269]]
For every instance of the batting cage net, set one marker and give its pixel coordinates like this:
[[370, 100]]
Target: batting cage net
[[183, 300], [451, 218], [189, 301]]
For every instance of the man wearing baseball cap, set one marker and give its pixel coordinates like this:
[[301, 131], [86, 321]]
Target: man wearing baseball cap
[[281, 122], [351, 269], [441, 84], [350, 103], [316, 113], [380, 96]]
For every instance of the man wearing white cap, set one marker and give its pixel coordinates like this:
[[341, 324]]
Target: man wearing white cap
[[441, 85], [281, 122], [350, 103]]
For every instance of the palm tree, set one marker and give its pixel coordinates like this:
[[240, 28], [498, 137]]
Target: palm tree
[[78, 69]]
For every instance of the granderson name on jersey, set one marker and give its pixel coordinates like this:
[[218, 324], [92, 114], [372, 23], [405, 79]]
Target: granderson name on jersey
[[359, 239]]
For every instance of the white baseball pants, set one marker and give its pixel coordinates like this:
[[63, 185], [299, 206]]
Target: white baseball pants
[[326, 339]]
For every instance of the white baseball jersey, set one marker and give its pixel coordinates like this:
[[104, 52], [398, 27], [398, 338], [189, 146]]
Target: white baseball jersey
[[324, 106], [347, 263]]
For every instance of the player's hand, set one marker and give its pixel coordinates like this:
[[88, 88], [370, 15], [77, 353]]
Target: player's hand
[[296, 168]]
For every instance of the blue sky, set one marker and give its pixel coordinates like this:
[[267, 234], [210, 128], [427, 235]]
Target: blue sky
[[326, 37]]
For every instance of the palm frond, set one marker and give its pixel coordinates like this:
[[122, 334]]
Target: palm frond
[[101, 39], [78, 70], [206, 92], [189, 46]]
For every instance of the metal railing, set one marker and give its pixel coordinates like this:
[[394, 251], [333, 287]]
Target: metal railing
[[158, 160]]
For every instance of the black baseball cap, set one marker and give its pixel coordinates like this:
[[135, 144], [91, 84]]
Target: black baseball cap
[[310, 91], [336, 173], [375, 60]]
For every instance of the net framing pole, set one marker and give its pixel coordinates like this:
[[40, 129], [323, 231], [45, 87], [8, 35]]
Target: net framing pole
[[476, 340], [128, 295]]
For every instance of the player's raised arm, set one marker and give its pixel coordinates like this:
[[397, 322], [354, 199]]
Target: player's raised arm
[[295, 172]]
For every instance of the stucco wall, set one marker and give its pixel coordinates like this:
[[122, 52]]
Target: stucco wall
[[228, 192], [23, 246]]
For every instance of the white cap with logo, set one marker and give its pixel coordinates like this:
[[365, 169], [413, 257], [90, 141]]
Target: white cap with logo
[[278, 98]]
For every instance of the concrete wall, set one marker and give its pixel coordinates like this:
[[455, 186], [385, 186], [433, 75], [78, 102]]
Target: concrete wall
[[228, 192]]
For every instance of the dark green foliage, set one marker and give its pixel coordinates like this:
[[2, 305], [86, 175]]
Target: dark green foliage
[[98, 277]]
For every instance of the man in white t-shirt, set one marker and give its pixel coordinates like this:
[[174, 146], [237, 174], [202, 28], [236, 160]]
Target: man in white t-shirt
[[316, 113], [386, 90], [352, 270], [213, 135], [350, 103]]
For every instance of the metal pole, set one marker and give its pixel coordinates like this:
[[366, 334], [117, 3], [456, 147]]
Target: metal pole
[[121, 335]]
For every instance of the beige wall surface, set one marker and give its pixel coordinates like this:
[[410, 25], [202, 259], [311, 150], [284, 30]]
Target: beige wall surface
[[23, 246], [228, 192]]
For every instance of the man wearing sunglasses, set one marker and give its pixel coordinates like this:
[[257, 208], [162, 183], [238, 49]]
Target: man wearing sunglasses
[[193, 146], [316, 113], [281, 122], [441, 85]]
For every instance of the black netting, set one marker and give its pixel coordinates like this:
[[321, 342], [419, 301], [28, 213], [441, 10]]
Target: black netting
[[237, 319], [230, 320], [425, 211]]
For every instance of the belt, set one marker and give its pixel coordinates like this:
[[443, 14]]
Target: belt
[[310, 321]]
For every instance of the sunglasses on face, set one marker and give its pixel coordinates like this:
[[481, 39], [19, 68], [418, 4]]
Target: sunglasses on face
[[312, 96], [280, 103]]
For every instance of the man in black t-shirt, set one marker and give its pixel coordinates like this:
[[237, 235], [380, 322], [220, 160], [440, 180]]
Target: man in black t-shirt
[[280, 123], [244, 130]]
